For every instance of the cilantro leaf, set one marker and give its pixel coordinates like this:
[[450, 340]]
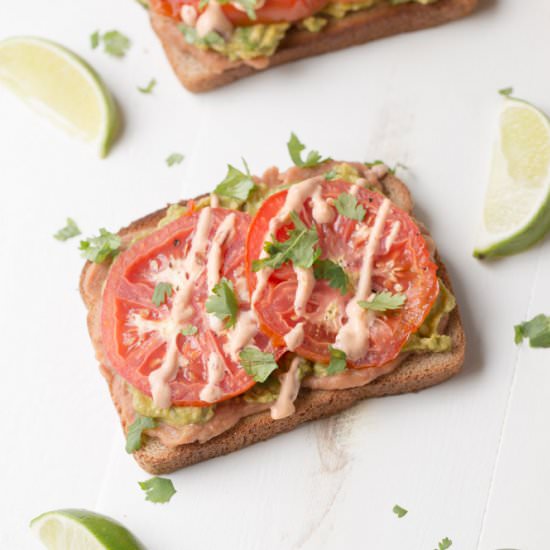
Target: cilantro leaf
[[174, 158], [331, 175], [94, 40], [300, 248], [383, 301], [236, 184], [68, 232], [149, 88], [135, 431], [444, 544], [100, 248], [537, 330], [115, 43], [158, 489], [373, 163], [257, 364], [161, 293], [399, 512], [189, 330], [348, 206], [506, 92], [337, 361], [333, 273], [223, 303], [295, 148]]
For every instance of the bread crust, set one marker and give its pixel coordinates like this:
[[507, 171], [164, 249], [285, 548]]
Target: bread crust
[[418, 371], [200, 70]]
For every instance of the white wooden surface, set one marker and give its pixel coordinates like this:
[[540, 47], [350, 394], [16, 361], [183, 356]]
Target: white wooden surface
[[468, 459]]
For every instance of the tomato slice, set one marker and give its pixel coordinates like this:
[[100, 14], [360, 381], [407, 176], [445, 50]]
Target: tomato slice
[[405, 268], [134, 329], [273, 11]]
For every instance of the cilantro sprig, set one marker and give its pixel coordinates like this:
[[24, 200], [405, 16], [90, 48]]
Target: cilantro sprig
[[189, 330], [444, 544], [98, 249], [384, 301], [236, 185], [537, 330], [114, 42], [300, 248], [174, 158], [149, 88], [257, 364], [295, 148], [348, 206], [333, 273], [158, 489], [337, 362], [68, 232], [161, 293], [134, 436], [223, 303]]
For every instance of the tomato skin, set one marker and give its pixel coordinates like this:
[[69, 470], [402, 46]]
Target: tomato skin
[[273, 11], [407, 263], [127, 297]]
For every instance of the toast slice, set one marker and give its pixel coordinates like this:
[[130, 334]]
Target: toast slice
[[203, 70], [416, 372]]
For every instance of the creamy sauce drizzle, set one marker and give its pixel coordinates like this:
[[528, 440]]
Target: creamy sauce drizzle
[[294, 338], [188, 15], [353, 336], [242, 334], [396, 226], [306, 283], [354, 190], [322, 211], [290, 386], [212, 391], [295, 199], [213, 19], [160, 378]]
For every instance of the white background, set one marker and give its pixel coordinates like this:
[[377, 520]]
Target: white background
[[468, 459]]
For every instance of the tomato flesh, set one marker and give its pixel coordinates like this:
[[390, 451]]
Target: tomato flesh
[[134, 328], [273, 11], [405, 268]]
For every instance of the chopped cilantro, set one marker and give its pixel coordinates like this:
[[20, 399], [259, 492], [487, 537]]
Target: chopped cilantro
[[333, 273], [174, 158], [161, 293], [257, 364], [223, 303], [506, 92], [300, 248], [189, 330], [537, 330], [348, 206], [68, 232], [135, 432], [331, 175], [100, 248], [236, 184], [295, 148], [149, 88], [383, 301], [337, 361], [444, 544], [114, 42], [158, 489], [399, 511]]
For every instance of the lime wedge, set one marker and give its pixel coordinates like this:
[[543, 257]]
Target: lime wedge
[[517, 203], [82, 530], [60, 85]]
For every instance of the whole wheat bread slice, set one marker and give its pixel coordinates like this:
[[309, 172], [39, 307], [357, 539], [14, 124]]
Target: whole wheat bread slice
[[201, 70], [418, 371]]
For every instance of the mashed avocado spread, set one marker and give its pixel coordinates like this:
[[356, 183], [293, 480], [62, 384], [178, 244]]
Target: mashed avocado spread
[[262, 40]]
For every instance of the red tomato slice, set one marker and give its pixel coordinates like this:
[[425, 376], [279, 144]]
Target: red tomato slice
[[133, 327], [405, 268], [273, 11]]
